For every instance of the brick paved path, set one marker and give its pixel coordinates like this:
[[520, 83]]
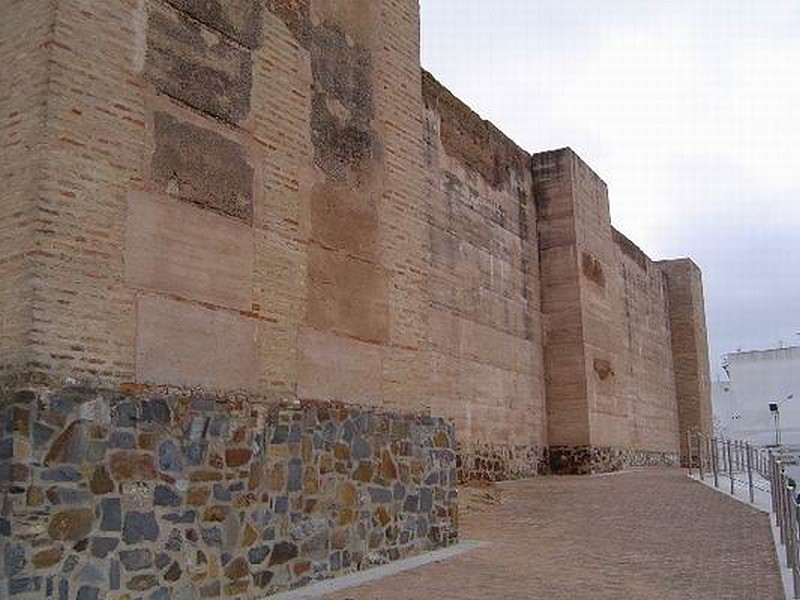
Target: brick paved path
[[651, 535]]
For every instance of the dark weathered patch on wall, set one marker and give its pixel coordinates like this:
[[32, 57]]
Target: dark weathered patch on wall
[[296, 15], [342, 108], [239, 19], [475, 142], [603, 368], [593, 269], [199, 67], [630, 249], [457, 190], [202, 167]]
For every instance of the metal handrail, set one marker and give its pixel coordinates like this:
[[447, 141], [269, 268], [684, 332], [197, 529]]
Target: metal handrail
[[744, 459]]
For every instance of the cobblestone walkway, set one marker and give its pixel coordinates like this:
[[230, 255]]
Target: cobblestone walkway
[[651, 535]]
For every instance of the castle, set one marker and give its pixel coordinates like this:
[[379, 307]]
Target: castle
[[270, 291]]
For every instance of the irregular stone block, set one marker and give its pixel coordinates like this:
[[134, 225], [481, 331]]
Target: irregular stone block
[[71, 525], [380, 495], [169, 456], [197, 65], [165, 496], [61, 474], [14, 560], [110, 514], [128, 466], [282, 553], [257, 555], [103, 546], [136, 560], [88, 592], [140, 527], [70, 446], [202, 167]]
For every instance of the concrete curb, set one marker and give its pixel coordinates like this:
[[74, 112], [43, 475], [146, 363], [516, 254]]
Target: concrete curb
[[322, 588]]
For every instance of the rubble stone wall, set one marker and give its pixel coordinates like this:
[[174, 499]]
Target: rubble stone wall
[[180, 495]]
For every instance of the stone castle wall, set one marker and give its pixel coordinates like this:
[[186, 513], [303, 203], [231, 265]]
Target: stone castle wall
[[179, 495], [483, 289], [273, 200]]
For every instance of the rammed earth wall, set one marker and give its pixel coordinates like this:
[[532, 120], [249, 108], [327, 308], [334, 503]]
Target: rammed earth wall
[[189, 495], [272, 197]]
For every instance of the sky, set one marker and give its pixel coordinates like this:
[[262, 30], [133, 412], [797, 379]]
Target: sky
[[688, 109]]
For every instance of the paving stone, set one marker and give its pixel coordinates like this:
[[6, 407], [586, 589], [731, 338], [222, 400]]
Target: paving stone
[[603, 538]]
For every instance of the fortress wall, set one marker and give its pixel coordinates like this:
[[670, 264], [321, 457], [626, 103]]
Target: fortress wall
[[689, 346], [609, 366], [269, 204], [274, 198], [24, 53], [564, 362], [485, 319], [651, 388]]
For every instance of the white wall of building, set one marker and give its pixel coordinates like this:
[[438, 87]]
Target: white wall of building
[[756, 378]]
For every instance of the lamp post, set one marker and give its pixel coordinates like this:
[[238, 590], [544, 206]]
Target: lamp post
[[776, 419], [775, 409]]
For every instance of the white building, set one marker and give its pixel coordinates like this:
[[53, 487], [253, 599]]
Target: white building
[[756, 378]]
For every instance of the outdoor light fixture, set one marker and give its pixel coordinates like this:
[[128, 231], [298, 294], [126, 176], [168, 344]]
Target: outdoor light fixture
[[774, 408]]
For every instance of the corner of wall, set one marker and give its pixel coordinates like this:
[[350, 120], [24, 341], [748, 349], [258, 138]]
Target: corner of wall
[[689, 345]]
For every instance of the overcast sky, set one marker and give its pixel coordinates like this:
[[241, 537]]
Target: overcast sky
[[688, 109]]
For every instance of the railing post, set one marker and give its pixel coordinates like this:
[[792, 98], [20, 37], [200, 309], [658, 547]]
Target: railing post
[[714, 462], [700, 456], [748, 450], [789, 543], [730, 465], [710, 455], [796, 570], [741, 456], [776, 492]]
